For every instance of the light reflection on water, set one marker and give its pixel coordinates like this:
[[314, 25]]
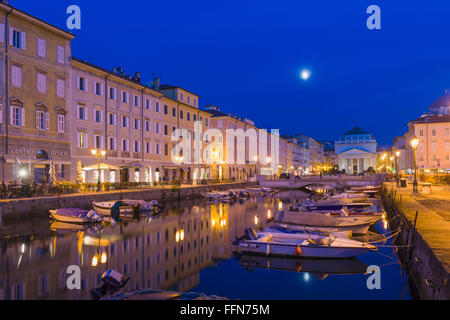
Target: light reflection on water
[[188, 248]]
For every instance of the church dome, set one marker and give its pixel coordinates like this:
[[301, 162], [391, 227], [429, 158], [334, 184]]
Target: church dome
[[442, 104]]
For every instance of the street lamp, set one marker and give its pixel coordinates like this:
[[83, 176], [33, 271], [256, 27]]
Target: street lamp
[[383, 157], [414, 143], [99, 154], [397, 154]]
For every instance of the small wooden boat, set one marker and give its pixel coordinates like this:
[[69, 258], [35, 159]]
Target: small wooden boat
[[75, 215], [302, 245], [329, 205], [127, 207]]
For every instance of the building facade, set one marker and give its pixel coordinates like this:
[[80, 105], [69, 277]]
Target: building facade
[[34, 92], [356, 151]]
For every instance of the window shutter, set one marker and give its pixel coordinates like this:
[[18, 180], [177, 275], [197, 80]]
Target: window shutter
[[47, 121], [78, 139], [37, 120], [24, 41], [22, 120], [11, 115], [78, 82], [11, 36]]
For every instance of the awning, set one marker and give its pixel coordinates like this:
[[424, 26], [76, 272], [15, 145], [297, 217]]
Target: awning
[[103, 166]]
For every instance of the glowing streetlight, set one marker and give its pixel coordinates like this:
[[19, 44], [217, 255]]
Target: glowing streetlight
[[414, 143], [103, 258], [99, 154], [94, 262]]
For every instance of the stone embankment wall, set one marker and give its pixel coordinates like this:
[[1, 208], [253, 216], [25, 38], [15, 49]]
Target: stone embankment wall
[[17, 209]]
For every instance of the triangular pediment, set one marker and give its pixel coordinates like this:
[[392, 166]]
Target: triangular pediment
[[355, 151]]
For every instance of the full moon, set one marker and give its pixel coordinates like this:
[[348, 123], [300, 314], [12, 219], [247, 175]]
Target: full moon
[[305, 74]]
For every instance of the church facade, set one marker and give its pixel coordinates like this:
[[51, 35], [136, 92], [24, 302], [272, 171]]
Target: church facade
[[356, 151]]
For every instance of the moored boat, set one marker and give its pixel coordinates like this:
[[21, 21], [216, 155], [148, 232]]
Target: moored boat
[[127, 207], [302, 245], [75, 215], [316, 220]]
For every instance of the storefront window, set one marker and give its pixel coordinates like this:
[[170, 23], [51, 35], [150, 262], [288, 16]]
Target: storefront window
[[112, 176]]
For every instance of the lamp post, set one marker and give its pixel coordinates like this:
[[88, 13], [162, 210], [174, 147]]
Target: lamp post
[[383, 158], [99, 154], [414, 143], [397, 178]]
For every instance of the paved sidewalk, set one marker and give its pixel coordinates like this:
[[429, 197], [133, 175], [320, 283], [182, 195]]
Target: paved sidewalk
[[433, 221]]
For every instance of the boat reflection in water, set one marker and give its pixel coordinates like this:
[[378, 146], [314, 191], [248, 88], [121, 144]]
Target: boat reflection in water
[[187, 248], [319, 268]]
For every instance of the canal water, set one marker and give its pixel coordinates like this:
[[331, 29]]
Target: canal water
[[187, 248]]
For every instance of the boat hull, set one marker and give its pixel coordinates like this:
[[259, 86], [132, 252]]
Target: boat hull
[[69, 219], [310, 251]]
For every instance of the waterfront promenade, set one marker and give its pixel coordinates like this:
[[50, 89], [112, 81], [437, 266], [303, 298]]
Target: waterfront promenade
[[25, 208], [431, 247]]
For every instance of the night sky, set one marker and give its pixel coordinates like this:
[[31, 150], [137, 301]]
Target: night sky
[[246, 56]]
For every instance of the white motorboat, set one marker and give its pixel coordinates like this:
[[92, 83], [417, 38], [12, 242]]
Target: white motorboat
[[302, 245], [300, 220], [286, 229], [75, 215], [127, 207]]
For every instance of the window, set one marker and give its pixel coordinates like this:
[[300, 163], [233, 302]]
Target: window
[[42, 120], [60, 119], [174, 112], [16, 76], [181, 114], [41, 48], [157, 106], [124, 97], [147, 104], [82, 113], [82, 84], [82, 140], [433, 132], [98, 116], [112, 143], [124, 122], [112, 93], [166, 130], [147, 147], [157, 148], [147, 126], [206, 121], [60, 55], [166, 149], [181, 97], [157, 128], [136, 101], [188, 116], [165, 109], [17, 116], [112, 119], [188, 99], [220, 123], [60, 88], [98, 141], [136, 124], [195, 117], [17, 38], [125, 147], [41, 83], [195, 102], [446, 131], [98, 89], [136, 146]]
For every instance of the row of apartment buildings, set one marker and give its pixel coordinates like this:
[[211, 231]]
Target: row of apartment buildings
[[432, 153], [55, 109]]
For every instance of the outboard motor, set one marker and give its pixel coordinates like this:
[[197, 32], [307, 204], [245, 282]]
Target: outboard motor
[[112, 282], [94, 216], [249, 234]]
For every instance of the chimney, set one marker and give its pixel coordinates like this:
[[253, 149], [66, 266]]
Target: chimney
[[137, 76], [155, 82]]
